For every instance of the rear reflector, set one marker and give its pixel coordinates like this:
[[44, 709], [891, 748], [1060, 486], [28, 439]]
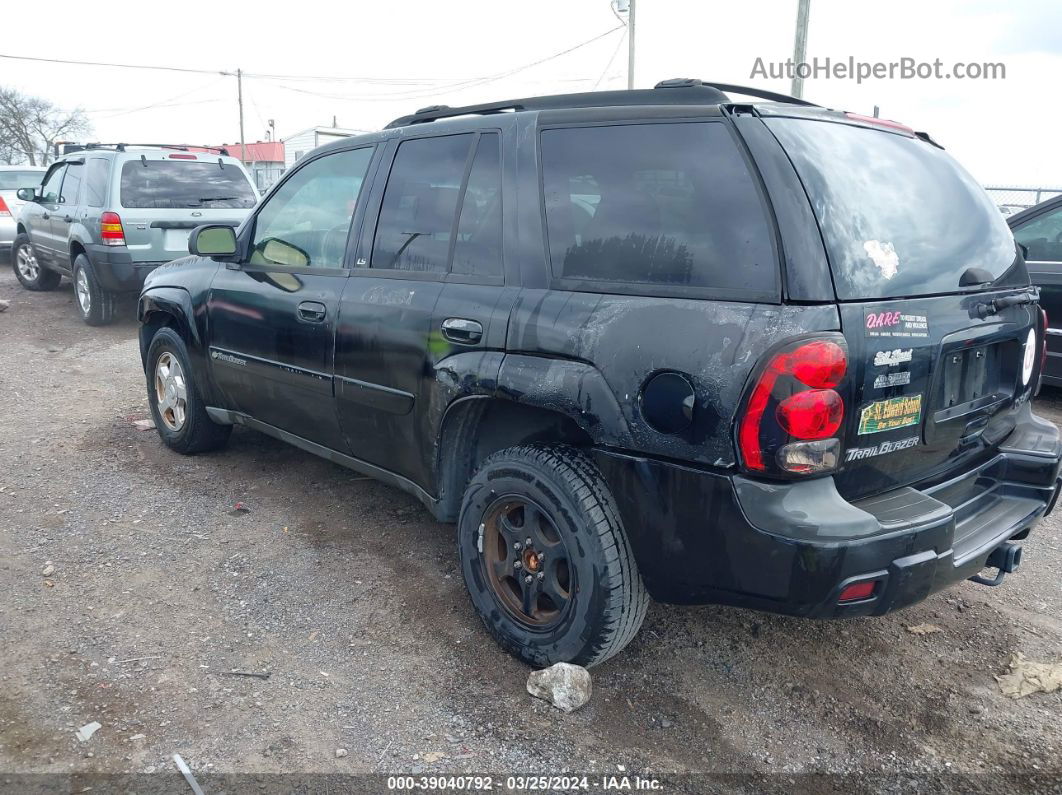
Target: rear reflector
[[857, 591], [111, 231], [4, 212]]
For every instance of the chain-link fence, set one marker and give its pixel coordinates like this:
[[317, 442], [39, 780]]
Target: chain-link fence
[[1011, 200]]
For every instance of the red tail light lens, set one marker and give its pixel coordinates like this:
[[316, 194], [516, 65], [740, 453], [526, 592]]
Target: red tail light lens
[[111, 230], [857, 591], [793, 402], [4, 211], [888, 124], [811, 415]]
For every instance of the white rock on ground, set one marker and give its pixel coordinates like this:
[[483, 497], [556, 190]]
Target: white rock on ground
[[563, 685]]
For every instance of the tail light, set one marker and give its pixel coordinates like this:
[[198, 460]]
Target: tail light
[[4, 211], [793, 413], [111, 230]]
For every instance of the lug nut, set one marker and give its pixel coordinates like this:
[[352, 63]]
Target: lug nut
[[518, 546], [517, 564], [527, 579], [528, 542], [541, 575]]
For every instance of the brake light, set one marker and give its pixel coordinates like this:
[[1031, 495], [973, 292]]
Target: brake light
[[183, 157], [798, 384], [111, 230], [888, 124], [4, 212]]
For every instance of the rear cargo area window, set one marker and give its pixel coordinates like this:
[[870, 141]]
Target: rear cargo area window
[[179, 184], [899, 216], [656, 204]]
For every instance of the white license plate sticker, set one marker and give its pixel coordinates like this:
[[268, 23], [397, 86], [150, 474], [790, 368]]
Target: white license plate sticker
[[176, 239]]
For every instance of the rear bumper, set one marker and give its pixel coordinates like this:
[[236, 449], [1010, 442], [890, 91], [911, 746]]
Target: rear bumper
[[701, 537], [116, 270]]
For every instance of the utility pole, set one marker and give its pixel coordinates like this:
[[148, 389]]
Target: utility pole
[[800, 46], [630, 47], [239, 97]]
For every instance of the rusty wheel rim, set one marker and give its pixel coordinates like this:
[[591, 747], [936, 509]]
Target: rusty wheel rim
[[527, 562]]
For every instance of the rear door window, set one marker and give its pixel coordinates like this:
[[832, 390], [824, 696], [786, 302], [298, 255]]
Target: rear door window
[[419, 204], [181, 184], [673, 207]]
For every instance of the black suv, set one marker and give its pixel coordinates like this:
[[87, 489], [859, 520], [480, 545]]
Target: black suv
[[636, 344]]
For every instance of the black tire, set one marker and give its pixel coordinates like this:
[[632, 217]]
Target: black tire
[[606, 600], [196, 433], [44, 280], [96, 305]]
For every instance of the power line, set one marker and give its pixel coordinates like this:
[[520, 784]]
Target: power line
[[608, 66], [117, 65]]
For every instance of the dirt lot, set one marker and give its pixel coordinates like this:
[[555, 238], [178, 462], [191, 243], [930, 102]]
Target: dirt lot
[[349, 595]]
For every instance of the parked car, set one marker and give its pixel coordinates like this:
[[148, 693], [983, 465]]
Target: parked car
[[107, 215], [1039, 229], [635, 344], [11, 179]]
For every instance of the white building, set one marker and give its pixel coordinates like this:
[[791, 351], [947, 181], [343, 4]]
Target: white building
[[302, 143]]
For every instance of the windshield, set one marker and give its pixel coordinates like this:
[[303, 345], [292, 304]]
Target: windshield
[[898, 215], [13, 180], [172, 184]]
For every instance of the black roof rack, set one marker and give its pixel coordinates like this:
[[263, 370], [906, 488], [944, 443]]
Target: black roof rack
[[680, 91], [67, 147]]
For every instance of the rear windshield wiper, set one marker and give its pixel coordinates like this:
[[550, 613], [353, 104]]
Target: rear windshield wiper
[[202, 199], [997, 305]]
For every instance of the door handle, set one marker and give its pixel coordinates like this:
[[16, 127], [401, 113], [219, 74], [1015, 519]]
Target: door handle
[[312, 311], [68, 219], [462, 331], [46, 216]]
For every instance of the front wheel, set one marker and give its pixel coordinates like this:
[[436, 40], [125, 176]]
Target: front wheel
[[28, 270], [546, 559], [176, 405]]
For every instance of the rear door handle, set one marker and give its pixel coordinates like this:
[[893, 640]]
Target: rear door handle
[[312, 311], [46, 216], [462, 331], [69, 219]]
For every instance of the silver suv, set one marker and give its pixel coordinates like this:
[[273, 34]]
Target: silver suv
[[108, 214]]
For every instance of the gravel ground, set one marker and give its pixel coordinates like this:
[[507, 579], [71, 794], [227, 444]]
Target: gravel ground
[[131, 591]]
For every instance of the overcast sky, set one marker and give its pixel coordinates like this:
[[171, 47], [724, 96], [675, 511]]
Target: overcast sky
[[406, 54]]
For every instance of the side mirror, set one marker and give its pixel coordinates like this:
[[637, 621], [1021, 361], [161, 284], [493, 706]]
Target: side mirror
[[212, 241], [26, 194]]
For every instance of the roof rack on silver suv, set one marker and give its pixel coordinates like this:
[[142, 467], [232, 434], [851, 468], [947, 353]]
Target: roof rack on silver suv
[[69, 147], [679, 91]]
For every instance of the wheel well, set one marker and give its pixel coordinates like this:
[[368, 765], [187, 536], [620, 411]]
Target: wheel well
[[477, 427], [150, 325], [75, 249]]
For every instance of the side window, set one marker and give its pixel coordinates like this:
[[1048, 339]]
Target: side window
[[71, 183], [1042, 236], [96, 172], [307, 221], [477, 249], [656, 204], [419, 204], [50, 188]]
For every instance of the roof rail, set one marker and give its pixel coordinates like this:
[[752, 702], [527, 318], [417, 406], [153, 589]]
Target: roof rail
[[68, 147], [681, 91]]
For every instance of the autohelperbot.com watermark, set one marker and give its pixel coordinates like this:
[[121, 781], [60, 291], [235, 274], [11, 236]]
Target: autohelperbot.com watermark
[[851, 68]]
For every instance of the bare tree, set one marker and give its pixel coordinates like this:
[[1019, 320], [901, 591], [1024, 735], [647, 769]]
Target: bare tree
[[29, 126]]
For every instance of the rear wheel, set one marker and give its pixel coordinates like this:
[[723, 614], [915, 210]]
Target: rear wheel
[[176, 406], [94, 304], [546, 559], [30, 273]]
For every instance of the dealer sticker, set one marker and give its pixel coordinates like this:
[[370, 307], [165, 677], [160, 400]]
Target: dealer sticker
[[893, 357], [899, 378], [890, 414], [895, 324]]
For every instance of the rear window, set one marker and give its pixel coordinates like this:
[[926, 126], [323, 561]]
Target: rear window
[[173, 184], [899, 216], [672, 206], [13, 180]]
